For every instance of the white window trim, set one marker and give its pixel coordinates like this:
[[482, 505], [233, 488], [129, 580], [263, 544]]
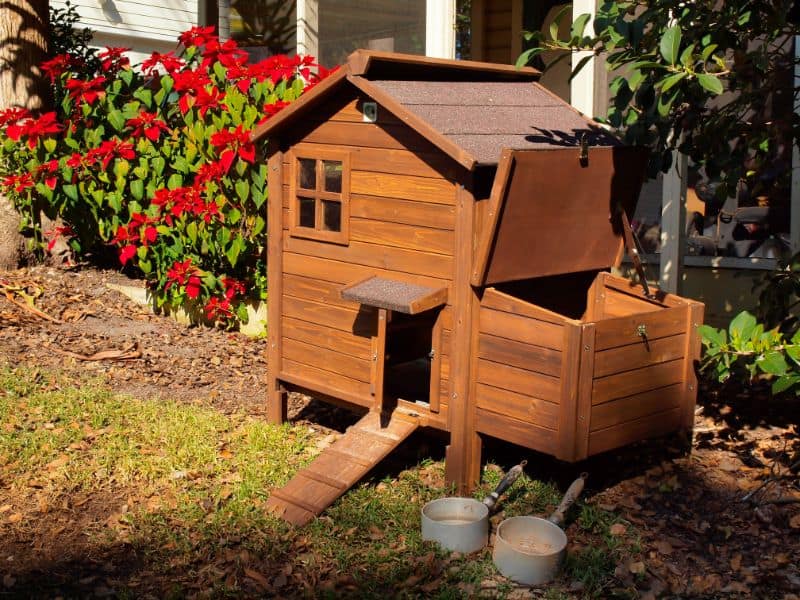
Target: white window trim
[[440, 28]]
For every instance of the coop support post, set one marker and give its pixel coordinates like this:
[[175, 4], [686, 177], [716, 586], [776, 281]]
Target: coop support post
[[276, 395], [463, 460], [694, 318]]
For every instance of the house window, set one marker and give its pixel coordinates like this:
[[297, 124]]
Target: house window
[[319, 194]]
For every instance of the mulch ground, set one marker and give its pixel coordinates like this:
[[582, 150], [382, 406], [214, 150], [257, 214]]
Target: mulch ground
[[720, 520]]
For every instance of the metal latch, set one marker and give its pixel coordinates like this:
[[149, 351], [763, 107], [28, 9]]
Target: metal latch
[[584, 155], [641, 331]]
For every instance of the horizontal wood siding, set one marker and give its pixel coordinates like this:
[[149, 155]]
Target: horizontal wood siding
[[621, 331], [139, 18], [518, 372], [516, 431], [402, 221], [652, 425], [637, 385]]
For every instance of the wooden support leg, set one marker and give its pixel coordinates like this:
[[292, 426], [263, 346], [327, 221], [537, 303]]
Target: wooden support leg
[[463, 463], [276, 403]]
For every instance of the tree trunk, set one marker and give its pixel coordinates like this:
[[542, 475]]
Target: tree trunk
[[23, 47]]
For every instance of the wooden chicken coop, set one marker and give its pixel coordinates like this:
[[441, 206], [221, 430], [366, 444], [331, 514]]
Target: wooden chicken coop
[[440, 239]]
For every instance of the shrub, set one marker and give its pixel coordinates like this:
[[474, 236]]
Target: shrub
[[158, 163], [747, 353]]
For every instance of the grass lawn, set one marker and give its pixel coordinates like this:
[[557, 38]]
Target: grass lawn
[[171, 496]]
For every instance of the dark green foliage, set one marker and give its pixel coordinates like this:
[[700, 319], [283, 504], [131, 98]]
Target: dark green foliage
[[674, 62]]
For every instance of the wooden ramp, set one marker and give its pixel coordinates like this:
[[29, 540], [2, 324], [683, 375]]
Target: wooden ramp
[[340, 466]]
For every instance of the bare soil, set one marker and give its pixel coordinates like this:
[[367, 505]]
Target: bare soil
[[699, 537]]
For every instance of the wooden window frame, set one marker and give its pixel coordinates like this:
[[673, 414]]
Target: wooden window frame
[[319, 155]]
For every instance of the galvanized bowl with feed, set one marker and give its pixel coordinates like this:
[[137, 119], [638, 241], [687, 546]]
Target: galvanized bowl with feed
[[462, 524], [530, 550]]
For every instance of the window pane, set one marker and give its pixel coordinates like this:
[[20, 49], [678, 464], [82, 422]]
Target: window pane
[[307, 216], [308, 173], [394, 25], [333, 176], [262, 27], [331, 215]]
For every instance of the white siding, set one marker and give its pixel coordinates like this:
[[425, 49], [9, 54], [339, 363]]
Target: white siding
[[142, 26]]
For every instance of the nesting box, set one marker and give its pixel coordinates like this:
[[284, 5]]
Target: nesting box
[[440, 239]]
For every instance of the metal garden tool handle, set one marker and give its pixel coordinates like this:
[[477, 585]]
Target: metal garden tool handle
[[513, 474], [570, 496]]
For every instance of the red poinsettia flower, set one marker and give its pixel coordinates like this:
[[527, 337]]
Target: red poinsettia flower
[[114, 59], [197, 36], [54, 234], [19, 183], [34, 129], [212, 171], [149, 124], [208, 98], [110, 149], [126, 253], [179, 273], [230, 143], [49, 169], [13, 115], [233, 287], [273, 109], [193, 287], [60, 64], [169, 61], [122, 236], [217, 308], [189, 81], [227, 53], [87, 91]]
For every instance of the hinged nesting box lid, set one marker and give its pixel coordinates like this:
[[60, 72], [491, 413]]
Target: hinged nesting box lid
[[556, 211]]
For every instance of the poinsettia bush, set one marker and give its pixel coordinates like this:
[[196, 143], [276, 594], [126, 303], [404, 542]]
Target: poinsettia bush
[[157, 162]]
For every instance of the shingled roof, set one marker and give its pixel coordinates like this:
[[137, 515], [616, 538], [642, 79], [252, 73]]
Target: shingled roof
[[471, 110]]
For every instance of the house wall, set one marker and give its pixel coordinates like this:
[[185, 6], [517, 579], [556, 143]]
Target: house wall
[[402, 226], [144, 27]]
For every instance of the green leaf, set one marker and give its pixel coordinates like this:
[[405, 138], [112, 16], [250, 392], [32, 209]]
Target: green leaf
[[665, 102], [744, 18], [71, 191], [241, 313], [687, 56], [793, 352], [742, 326], [710, 83], [145, 95], [50, 144], [175, 181], [258, 197], [670, 44], [117, 120], [578, 26], [191, 231], [137, 188], [554, 25], [669, 82], [711, 335], [784, 382], [707, 51], [146, 266], [242, 190], [773, 363], [220, 71], [259, 225], [581, 63], [234, 215]]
